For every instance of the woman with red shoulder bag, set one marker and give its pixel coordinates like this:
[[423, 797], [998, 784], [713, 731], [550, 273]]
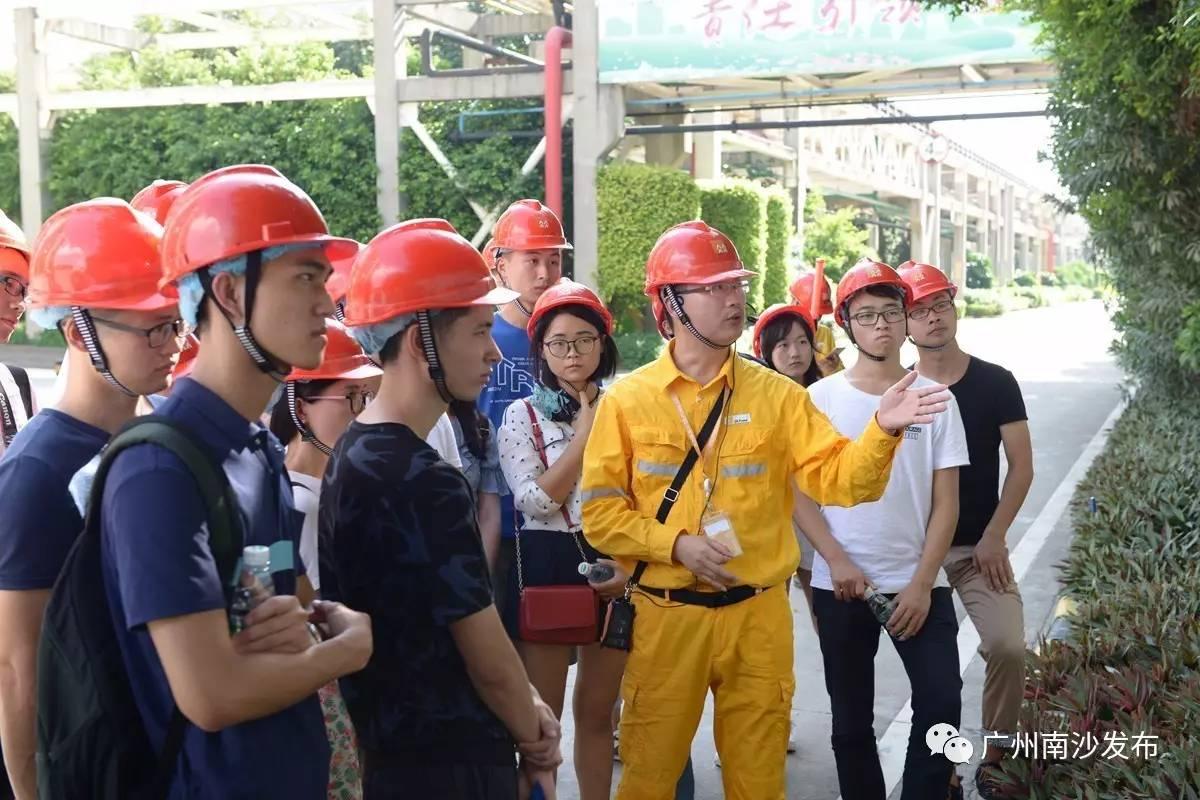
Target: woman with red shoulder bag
[[551, 607]]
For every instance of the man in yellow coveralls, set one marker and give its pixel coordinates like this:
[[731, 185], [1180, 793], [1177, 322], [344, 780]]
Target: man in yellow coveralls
[[711, 607]]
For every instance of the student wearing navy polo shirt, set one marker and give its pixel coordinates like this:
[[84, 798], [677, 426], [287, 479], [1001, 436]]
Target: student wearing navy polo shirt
[[526, 256], [249, 252], [444, 704], [95, 272]]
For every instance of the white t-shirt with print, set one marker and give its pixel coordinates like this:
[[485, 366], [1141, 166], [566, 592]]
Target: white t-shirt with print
[[306, 496], [441, 438], [885, 538]]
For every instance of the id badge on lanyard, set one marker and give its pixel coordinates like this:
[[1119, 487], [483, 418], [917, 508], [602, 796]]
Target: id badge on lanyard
[[715, 524]]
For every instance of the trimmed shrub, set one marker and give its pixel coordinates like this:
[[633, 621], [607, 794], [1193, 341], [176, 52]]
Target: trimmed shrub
[[779, 235], [1025, 279], [739, 210], [979, 271], [1047, 279], [636, 202], [637, 348]]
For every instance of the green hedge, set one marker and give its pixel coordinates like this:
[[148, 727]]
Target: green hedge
[[636, 204], [1131, 663], [779, 236], [739, 210]]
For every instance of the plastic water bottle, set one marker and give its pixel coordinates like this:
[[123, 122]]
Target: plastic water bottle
[[254, 585], [596, 573], [880, 606]]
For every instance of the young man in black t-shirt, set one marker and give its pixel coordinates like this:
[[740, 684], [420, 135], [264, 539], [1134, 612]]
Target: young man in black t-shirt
[[993, 414], [444, 704]]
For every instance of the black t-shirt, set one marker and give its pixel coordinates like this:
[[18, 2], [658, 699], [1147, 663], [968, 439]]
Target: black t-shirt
[[988, 397], [398, 540]]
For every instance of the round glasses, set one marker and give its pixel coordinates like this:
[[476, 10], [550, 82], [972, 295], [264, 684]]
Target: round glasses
[[582, 346], [157, 336], [358, 401], [869, 318]]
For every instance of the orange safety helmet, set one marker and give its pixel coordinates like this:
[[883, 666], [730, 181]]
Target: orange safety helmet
[[529, 225], [99, 254], [568, 293], [866, 272], [339, 281], [802, 289], [187, 359], [13, 238], [690, 252], [236, 210], [418, 265], [489, 254], [923, 280], [344, 359], [157, 199], [774, 312]]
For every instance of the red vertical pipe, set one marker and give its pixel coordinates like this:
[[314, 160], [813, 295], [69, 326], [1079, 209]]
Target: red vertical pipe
[[556, 38]]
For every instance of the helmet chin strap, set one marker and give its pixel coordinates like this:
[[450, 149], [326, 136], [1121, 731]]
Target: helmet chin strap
[[91, 341], [671, 300], [305, 432], [266, 362], [521, 307]]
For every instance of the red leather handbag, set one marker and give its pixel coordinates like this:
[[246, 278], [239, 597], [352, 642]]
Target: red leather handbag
[[567, 614]]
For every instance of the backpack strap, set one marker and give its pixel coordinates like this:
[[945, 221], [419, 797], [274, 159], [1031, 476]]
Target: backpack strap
[[22, 378], [224, 534]]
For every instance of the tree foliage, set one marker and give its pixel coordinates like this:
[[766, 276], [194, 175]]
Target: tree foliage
[[833, 236]]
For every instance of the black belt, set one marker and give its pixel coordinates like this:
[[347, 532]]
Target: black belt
[[690, 597]]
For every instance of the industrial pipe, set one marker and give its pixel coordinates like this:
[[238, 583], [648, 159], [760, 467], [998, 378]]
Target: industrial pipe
[[556, 38], [841, 122]]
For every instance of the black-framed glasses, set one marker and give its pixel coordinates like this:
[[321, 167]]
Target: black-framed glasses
[[869, 318], [15, 286], [156, 336], [940, 307], [358, 401], [717, 289], [582, 346]]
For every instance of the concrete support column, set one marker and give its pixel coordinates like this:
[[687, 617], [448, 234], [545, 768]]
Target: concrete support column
[[390, 66], [599, 125], [916, 226], [666, 149], [706, 148], [32, 120], [958, 256]]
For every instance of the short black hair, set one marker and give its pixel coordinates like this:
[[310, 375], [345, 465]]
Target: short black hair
[[776, 331], [281, 425], [441, 320], [609, 357]]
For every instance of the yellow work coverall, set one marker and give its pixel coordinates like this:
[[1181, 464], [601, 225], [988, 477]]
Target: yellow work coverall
[[771, 434]]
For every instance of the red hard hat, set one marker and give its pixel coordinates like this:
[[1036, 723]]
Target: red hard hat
[[529, 225], [236, 210], [99, 254], [801, 291], [418, 265], [863, 274], [344, 359], [339, 282], [12, 238], [568, 293], [923, 280], [489, 254], [157, 199], [692, 252], [187, 359], [774, 312]]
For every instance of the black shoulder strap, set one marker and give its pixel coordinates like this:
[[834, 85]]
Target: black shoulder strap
[[685, 469], [22, 378], [224, 533]]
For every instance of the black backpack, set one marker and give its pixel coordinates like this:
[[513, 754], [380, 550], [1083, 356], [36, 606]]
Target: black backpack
[[91, 740]]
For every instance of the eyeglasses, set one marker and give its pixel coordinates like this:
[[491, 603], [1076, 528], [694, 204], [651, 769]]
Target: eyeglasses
[[717, 289], [869, 318], [14, 286], [157, 336], [582, 346], [940, 307], [358, 401]]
